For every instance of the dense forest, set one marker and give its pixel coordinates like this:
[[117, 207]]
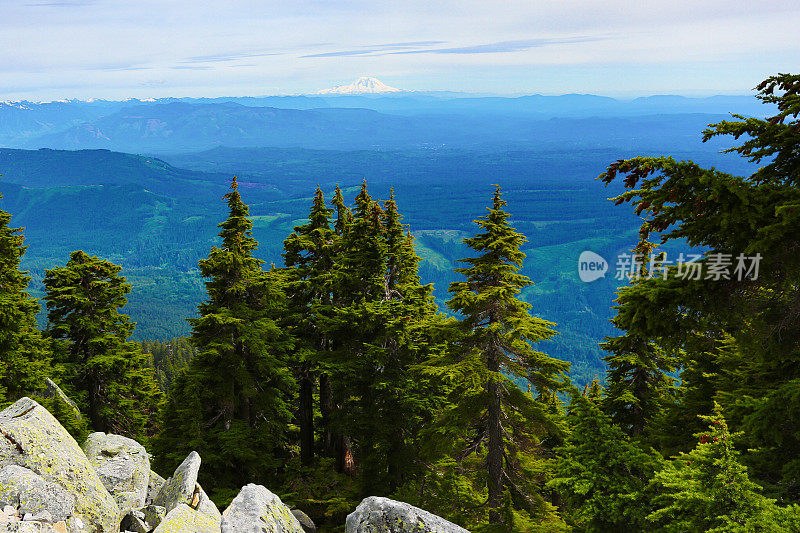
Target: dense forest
[[335, 374]]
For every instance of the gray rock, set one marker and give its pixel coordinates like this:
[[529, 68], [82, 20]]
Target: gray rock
[[30, 495], [255, 510], [182, 488], [305, 522], [382, 515], [154, 485], [184, 519], [51, 390], [38, 516], [123, 466], [33, 527], [153, 515], [32, 438]]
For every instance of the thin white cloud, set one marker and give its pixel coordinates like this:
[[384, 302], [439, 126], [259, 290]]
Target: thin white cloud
[[108, 48]]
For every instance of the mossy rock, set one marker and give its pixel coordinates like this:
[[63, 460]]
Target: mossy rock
[[32, 438]]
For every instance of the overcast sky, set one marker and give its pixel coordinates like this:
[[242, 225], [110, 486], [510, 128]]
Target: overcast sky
[[52, 49]]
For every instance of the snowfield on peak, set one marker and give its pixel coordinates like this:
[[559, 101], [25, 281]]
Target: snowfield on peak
[[363, 85]]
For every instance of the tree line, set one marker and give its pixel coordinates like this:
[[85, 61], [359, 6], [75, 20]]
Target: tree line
[[335, 375]]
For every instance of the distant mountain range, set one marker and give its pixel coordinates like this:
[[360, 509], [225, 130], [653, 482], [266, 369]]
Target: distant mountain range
[[351, 121]]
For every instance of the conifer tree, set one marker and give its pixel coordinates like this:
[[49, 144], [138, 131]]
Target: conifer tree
[[396, 399], [601, 475], [497, 330], [109, 375], [233, 402], [308, 253], [359, 267], [331, 393], [708, 489], [594, 391], [24, 355], [377, 327], [752, 222], [639, 386]]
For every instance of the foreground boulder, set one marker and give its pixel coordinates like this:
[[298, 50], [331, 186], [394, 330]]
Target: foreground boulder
[[123, 466], [184, 519], [305, 522], [255, 510], [32, 438], [182, 489], [30, 495], [382, 515], [153, 487]]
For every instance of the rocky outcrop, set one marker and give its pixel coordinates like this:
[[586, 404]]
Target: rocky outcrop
[[182, 489], [305, 522], [30, 437], [154, 485], [123, 466], [48, 484], [184, 519], [382, 515], [28, 494], [257, 510]]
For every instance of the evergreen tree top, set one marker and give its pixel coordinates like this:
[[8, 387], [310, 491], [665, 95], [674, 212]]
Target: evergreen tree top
[[494, 317], [343, 214], [236, 230], [307, 243], [499, 244]]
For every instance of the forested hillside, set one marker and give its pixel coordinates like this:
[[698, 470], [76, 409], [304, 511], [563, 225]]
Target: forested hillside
[[157, 220]]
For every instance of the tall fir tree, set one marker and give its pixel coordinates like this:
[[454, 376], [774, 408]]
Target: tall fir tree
[[233, 403], [24, 355], [395, 399], [110, 376], [331, 392], [750, 224], [308, 254], [496, 332], [639, 388], [600, 474]]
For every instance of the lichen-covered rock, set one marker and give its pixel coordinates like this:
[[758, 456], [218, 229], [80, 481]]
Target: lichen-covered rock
[[32, 438], [33, 527], [382, 515], [29, 494], [184, 519], [306, 523], [154, 484], [182, 488], [255, 510], [153, 515], [123, 466]]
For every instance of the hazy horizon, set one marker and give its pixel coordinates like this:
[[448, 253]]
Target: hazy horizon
[[622, 96]]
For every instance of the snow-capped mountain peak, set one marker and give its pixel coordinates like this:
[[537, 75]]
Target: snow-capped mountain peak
[[363, 85]]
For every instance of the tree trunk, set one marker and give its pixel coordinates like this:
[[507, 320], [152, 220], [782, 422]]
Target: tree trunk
[[306, 419], [98, 423], [394, 472], [495, 432], [325, 408]]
